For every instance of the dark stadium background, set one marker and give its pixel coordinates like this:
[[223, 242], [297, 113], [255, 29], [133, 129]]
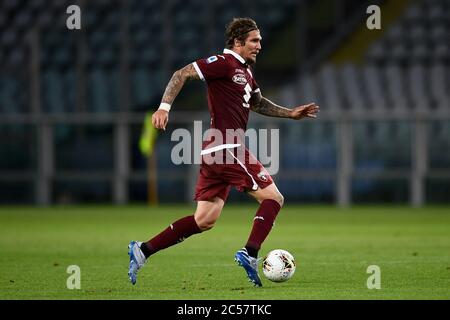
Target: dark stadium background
[[72, 102]]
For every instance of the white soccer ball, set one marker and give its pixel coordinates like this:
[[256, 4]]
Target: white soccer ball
[[278, 265]]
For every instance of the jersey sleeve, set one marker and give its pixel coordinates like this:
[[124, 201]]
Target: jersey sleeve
[[211, 68]]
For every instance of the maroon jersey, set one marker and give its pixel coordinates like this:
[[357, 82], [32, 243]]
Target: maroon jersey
[[230, 86]]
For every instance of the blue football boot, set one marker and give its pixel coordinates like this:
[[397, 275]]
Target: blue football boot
[[137, 260], [250, 265]]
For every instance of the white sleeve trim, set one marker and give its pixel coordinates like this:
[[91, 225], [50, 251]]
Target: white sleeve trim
[[200, 74]]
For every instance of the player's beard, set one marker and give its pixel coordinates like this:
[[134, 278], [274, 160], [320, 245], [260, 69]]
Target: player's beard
[[251, 60]]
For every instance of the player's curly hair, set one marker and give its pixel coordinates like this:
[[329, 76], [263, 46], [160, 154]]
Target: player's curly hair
[[238, 29]]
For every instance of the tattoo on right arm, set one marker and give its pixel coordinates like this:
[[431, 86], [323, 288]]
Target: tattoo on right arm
[[177, 81]]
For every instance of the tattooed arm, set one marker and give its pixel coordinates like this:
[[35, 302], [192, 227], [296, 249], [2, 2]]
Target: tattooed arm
[[264, 106], [173, 88], [177, 82]]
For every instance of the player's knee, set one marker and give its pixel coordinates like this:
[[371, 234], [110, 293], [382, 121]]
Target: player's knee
[[206, 220], [280, 199], [206, 224]]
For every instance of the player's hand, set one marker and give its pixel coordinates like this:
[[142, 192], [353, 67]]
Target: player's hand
[[160, 119], [309, 110]]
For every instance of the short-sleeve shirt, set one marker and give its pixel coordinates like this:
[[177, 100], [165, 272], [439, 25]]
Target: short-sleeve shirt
[[230, 85]]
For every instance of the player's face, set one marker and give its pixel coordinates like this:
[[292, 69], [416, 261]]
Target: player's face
[[252, 47]]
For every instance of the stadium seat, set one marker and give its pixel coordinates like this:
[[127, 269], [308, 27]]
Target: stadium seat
[[436, 13], [52, 91], [288, 96], [395, 87], [376, 52], [438, 81], [418, 86], [145, 85], [10, 5], [9, 90], [414, 15], [307, 88], [441, 52], [439, 34], [3, 20], [417, 34], [395, 33], [439, 84], [22, 20], [374, 88], [98, 91], [351, 83], [400, 53], [8, 38], [332, 94], [16, 57]]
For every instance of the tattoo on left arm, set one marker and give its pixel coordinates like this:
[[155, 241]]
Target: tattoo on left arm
[[266, 107]]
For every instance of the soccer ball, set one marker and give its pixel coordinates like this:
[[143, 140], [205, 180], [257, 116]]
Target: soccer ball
[[278, 265]]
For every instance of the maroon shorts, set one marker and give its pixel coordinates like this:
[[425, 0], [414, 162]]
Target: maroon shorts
[[216, 179]]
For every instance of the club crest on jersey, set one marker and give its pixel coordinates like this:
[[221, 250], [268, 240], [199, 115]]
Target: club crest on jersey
[[239, 79], [211, 59], [262, 175]]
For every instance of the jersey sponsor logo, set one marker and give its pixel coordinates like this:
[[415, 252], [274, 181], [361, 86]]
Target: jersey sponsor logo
[[262, 175], [239, 70], [211, 59], [239, 79]]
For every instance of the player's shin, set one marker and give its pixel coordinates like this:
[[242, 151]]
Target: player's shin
[[175, 233], [262, 224]]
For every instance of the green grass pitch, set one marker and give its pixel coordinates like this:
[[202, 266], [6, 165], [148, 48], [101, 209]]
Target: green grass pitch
[[333, 248]]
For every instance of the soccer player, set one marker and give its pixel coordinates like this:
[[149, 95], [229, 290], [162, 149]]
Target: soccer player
[[232, 93]]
